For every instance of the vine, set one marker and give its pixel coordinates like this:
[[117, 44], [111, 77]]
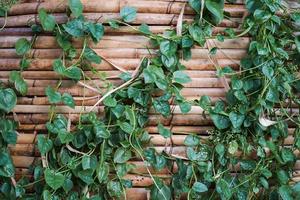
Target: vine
[[245, 156]]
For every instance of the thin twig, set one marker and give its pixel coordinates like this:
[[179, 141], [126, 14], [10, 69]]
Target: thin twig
[[113, 64], [5, 21], [88, 86], [216, 64], [86, 98], [179, 21], [134, 76]]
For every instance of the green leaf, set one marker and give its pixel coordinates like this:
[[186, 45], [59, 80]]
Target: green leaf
[[63, 42], [68, 100], [144, 28], [73, 73], [191, 140], [216, 10], [130, 115], [44, 144], [236, 83], [20, 84], [236, 119], [199, 187], [297, 42], [197, 34], [166, 133], [24, 63], [110, 101], [223, 71], [113, 24], [76, 7], [213, 51], [268, 71], [65, 137], [233, 147], [296, 17], [248, 165], [163, 192], [220, 149], [86, 176], [53, 179], [59, 67], [89, 162], [221, 121], [53, 96], [74, 27], [181, 77], [196, 5], [223, 188], [185, 107], [162, 107], [114, 189], [48, 21], [10, 136], [91, 55], [168, 48], [149, 77], [128, 14], [122, 155], [285, 192], [8, 99], [22, 46], [205, 102], [126, 127], [187, 42], [287, 155], [96, 30], [102, 172], [169, 61], [282, 176], [101, 132], [272, 95], [68, 185]]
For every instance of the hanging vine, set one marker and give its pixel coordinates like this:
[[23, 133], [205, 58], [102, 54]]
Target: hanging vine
[[245, 156]]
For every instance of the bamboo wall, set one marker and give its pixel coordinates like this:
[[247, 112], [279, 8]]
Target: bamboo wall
[[125, 49]]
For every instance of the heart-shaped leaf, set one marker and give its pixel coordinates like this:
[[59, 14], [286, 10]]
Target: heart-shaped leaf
[[8, 99]]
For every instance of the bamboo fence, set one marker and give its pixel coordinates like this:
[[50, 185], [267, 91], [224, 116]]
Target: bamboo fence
[[124, 48]]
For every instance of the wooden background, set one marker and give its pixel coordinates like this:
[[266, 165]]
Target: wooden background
[[122, 47]]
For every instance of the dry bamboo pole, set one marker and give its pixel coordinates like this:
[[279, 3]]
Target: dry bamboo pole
[[79, 91], [175, 119], [116, 5], [126, 53], [156, 29], [25, 160], [33, 109], [128, 64], [89, 102], [148, 18], [40, 109], [156, 139], [53, 75], [30, 128], [176, 129], [195, 83], [182, 120], [124, 41]]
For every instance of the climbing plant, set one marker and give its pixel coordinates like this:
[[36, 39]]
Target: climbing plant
[[245, 156]]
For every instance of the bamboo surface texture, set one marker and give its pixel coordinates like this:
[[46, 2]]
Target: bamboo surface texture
[[123, 47]]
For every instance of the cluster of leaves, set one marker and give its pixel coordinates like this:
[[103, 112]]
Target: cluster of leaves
[[246, 156], [8, 100], [5, 5], [90, 161]]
